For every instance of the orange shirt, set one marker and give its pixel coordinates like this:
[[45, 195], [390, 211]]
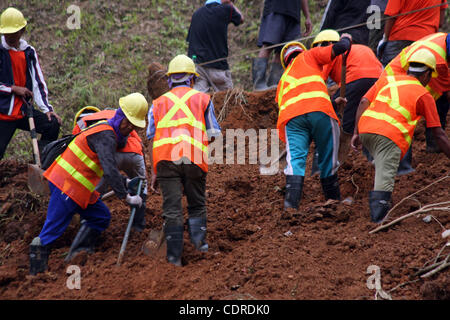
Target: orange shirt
[[415, 25], [301, 88], [361, 63], [19, 68], [396, 105]]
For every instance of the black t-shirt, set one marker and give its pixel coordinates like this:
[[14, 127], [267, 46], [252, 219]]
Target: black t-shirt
[[346, 13], [289, 8], [208, 34]]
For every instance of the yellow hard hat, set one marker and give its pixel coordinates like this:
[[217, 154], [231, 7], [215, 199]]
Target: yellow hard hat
[[327, 35], [11, 21], [181, 64], [135, 108], [288, 49], [84, 112], [423, 56]]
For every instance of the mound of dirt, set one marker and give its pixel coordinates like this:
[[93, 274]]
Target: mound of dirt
[[323, 251]]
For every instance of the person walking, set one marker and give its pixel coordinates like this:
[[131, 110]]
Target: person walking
[[208, 41], [181, 122]]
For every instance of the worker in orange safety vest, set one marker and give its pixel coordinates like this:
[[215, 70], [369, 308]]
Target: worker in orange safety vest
[[180, 123], [387, 117]]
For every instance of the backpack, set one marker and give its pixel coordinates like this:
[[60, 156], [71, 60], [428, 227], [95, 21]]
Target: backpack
[[52, 150]]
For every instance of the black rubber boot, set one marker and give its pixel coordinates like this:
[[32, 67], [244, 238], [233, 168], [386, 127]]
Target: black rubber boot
[[276, 71], [259, 67], [139, 216], [197, 233], [38, 257], [404, 166], [174, 238], [432, 147], [380, 203], [85, 240], [330, 187], [294, 187]]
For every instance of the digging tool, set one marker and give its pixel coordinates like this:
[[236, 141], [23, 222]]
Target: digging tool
[[130, 222], [344, 138], [270, 170], [152, 247], [36, 180]]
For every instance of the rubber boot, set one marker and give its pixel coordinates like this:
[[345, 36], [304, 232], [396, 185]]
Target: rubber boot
[[174, 238], [432, 147], [404, 166], [197, 233], [330, 187], [276, 71], [85, 240], [315, 164], [294, 187], [139, 216], [38, 257], [380, 203], [259, 67]]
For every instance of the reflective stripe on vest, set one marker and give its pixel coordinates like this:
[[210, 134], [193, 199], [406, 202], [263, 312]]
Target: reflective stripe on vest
[[293, 83], [187, 129], [180, 104], [394, 103], [408, 51]]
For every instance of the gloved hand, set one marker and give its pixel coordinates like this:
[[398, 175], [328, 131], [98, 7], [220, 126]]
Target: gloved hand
[[381, 45], [135, 201], [132, 185]]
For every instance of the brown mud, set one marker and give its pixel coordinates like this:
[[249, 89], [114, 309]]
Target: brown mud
[[256, 252]]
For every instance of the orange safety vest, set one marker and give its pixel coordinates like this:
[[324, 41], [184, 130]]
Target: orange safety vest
[[393, 111], [301, 90], [180, 127], [134, 142], [77, 171], [437, 45]]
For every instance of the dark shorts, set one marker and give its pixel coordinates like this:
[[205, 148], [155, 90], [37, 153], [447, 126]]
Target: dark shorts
[[278, 28]]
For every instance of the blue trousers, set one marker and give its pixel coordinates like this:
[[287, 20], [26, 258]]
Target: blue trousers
[[303, 129], [61, 210]]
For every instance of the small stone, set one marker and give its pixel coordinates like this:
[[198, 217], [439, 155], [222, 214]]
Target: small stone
[[427, 219], [288, 233]]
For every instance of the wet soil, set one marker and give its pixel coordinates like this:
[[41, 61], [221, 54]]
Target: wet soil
[[256, 251]]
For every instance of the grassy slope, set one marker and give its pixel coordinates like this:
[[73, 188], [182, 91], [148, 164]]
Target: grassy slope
[[108, 56]]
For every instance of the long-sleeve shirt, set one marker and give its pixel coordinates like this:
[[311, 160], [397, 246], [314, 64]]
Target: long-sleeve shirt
[[9, 108], [104, 144]]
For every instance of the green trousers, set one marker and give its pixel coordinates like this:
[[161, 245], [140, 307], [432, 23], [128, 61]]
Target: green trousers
[[386, 155]]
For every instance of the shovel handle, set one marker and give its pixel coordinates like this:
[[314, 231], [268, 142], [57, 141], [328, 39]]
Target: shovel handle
[[127, 232], [37, 158]]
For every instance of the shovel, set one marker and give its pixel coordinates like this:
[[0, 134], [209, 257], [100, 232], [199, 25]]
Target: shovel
[[271, 169], [36, 181], [344, 138], [154, 244], [127, 232]]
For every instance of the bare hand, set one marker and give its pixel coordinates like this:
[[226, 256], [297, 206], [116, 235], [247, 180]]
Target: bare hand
[[22, 92], [50, 114], [154, 183], [346, 35], [341, 102], [308, 26], [355, 143]]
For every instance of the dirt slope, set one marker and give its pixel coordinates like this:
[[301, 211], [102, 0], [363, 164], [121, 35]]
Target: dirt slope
[[255, 253]]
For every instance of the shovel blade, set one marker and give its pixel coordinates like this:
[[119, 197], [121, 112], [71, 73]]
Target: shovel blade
[[154, 245], [36, 181]]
